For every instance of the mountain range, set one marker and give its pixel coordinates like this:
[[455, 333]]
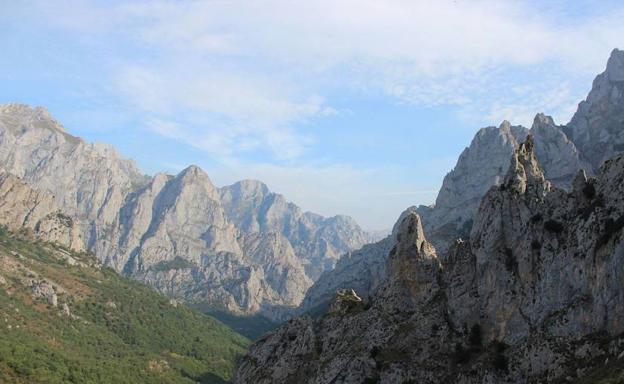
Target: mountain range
[[513, 275], [594, 134], [520, 283], [241, 247]]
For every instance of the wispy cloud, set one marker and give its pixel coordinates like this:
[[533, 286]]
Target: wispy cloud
[[251, 83], [218, 111], [258, 69]]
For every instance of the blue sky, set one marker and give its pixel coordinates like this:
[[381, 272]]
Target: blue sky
[[353, 107]]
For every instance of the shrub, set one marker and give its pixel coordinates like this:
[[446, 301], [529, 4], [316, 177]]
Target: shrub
[[589, 190], [553, 226], [511, 264], [460, 355], [499, 361], [176, 263], [475, 336]]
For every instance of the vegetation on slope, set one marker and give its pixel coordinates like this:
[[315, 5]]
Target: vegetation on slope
[[250, 326], [64, 319]]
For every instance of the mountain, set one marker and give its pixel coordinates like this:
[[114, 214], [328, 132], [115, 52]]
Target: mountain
[[318, 240], [66, 319], [596, 127], [479, 166], [562, 151], [240, 248], [533, 295], [593, 135]]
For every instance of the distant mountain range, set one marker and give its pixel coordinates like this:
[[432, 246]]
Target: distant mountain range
[[241, 248]]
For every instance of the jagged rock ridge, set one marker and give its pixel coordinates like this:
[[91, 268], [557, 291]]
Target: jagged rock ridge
[[593, 135], [562, 151], [534, 295]]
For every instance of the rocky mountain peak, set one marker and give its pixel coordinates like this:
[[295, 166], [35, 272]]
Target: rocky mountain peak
[[525, 173], [411, 268], [25, 110], [505, 125], [615, 66], [19, 116], [479, 166], [596, 127], [249, 188], [194, 176], [410, 232], [541, 120], [192, 172], [239, 247], [397, 226]]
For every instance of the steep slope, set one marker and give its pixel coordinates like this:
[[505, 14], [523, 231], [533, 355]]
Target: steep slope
[[240, 248], [596, 127], [535, 295], [65, 319], [362, 270], [89, 181], [594, 134], [480, 166]]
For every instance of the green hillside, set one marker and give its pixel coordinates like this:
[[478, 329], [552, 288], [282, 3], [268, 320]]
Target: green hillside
[[63, 319]]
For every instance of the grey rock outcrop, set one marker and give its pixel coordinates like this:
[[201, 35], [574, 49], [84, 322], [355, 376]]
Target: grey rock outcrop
[[557, 154], [483, 165], [480, 166], [596, 127], [22, 207], [362, 270], [533, 296]]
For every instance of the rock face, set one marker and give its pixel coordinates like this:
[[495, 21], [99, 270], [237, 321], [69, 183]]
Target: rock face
[[534, 295], [319, 241], [594, 134], [483, 165], [239, 247], [480, 166], [362, 270], [596, 127], [22, 207]]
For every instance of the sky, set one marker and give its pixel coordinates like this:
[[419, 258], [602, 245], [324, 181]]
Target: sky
[[345, 107]]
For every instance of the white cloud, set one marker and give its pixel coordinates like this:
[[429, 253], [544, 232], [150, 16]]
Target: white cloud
[[263, 64], [220, 112], [239, 77]]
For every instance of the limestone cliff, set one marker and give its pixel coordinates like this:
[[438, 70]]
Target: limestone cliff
[[534, 295], [22, 207], [594, 134]]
